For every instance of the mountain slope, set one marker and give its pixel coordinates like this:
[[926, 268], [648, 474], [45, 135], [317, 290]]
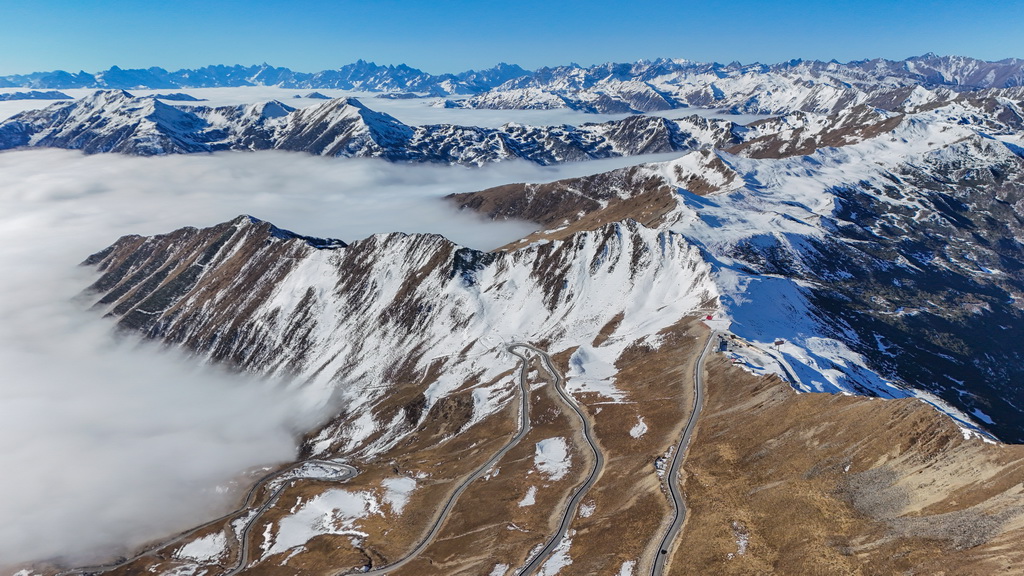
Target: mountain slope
[[403, 333], [786, 483]]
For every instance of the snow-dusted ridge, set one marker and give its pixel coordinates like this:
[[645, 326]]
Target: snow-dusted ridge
[[349, 322], [812, 86], [116, 121]]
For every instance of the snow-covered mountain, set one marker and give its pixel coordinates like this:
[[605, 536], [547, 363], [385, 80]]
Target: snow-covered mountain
[[115, 121], [823, 87], [892, 266], [864, 246], [325, 312], [643, 85]]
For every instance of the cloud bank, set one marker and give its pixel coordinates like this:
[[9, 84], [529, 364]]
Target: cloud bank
[[106, 444]]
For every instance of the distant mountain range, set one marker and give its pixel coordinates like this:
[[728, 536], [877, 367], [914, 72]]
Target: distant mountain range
[[116, 121], [809, 86], [360, 75], [957, 72]]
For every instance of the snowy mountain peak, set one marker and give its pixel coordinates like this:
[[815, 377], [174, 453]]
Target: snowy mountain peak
[[245, 221]]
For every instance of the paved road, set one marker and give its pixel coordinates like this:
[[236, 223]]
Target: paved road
[[524, 427], [574, 502], [664, 551], [250, 498]]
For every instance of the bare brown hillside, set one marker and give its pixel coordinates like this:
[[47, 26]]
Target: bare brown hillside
[[784, 483]]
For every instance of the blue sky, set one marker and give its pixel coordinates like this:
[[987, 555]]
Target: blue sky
[[453, 35]]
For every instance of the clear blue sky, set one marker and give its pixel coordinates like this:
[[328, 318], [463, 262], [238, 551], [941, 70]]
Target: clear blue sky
[[454, 35]]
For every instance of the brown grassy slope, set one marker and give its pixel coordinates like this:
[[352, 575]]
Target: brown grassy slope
[[568, 206], [829, 484]]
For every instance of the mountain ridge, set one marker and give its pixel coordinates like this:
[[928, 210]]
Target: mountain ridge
[[116, 121], [928, 69]]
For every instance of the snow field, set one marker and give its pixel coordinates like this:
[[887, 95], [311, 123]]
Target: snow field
[[334, 511]]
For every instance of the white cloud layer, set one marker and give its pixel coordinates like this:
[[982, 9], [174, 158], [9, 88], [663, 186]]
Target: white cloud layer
[[106, 444]]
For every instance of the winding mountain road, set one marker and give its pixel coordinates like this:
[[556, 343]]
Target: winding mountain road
[[663, 552], [243, 557], [524, 428], [574, 502]]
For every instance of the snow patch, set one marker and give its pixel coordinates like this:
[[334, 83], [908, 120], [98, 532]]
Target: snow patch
[[559, 558], [587, 510], [638, 429], [977, 413], [397, 492], [530, 499], [593, 370], [552, 458]]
